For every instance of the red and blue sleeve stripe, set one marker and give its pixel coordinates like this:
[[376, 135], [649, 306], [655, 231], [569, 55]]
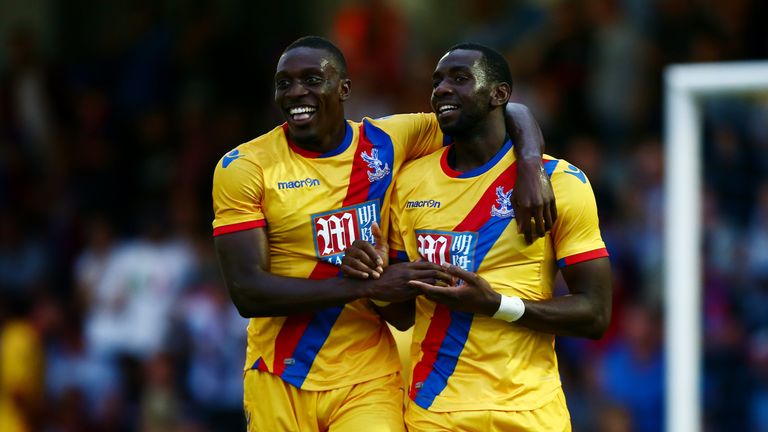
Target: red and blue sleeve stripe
[[581, 257], [549, 165], [242, 226]]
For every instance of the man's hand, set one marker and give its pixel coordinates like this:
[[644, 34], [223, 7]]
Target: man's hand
[[363, 260], [533, 199], [473, 295], [395, 284]]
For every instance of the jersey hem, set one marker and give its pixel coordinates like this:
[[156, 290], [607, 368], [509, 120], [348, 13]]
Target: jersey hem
[[312, 385], [492, 405]]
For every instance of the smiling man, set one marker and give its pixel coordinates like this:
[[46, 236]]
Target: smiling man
[[483, 348], [287, 205]]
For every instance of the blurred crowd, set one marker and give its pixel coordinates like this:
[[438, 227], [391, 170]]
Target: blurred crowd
[[113, 315]]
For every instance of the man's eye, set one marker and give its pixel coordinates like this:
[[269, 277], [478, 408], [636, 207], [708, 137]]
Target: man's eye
[[313, 80], [282, 84], [461, 78]]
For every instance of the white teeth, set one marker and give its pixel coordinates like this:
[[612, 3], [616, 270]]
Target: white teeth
[[445, 108], [301, 110]]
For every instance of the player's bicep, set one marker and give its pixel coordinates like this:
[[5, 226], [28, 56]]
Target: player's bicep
[[592, 280], [241, 254]]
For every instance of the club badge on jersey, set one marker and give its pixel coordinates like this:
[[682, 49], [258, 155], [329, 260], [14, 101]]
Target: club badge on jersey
[[334, 231], [504, 200], [380, 169]]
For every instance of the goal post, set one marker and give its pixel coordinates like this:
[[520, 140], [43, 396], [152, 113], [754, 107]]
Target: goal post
[[685, 87]]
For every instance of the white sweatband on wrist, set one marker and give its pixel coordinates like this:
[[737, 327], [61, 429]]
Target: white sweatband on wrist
[[380, 303], [510, 309]]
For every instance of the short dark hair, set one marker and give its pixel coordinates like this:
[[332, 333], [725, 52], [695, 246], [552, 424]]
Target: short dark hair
[[324, 44], [493, 62]]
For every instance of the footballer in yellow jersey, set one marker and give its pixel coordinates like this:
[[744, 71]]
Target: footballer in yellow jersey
[[464, 361], [483, 353], [314, 206]]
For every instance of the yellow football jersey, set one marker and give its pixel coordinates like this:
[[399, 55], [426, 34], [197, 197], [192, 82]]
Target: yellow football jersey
[[313, 206], [463, 361]]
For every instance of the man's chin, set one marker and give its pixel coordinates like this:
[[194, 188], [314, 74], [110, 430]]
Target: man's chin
[[449, 128]]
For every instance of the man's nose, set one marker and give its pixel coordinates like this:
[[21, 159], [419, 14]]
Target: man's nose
[[296, 89]]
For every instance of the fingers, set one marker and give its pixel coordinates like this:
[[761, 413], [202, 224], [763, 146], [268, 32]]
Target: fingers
[[432, 291], [354, 267], [366, 254], [431, 276], [539, 222], [549, 218], [460, 273], [527, 229], [348, 271], [522, 214], [380, 246], [553, 210], [376, 232]]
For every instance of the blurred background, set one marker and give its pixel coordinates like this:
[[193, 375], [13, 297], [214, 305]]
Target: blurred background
[[113, 316]]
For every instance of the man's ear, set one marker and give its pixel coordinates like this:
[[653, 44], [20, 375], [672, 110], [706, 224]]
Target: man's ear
[[500, 94], [345, 89]]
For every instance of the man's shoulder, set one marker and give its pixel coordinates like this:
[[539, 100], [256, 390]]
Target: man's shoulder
[[423, 167], [394, 122], [257, 150]]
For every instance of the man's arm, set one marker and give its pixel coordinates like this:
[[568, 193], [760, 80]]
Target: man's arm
[[244, 262], [532, 197], [585, 312]]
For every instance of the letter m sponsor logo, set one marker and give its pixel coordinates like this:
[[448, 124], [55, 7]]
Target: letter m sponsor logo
[[440, 247], [334, 231]]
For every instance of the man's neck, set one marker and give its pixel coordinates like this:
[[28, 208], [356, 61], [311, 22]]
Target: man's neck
[[479, 146], [322, 142]]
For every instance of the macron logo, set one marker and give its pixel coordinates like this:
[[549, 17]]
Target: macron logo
[[423, 203], [230, 157], [298, 184]]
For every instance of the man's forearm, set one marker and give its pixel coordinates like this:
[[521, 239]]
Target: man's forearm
[[525, 132], [571, 315], [265, 294]]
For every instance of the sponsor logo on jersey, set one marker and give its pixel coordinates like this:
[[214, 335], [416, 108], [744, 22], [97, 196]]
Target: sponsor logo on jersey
[[230, 157], [441, 247], [298, 184], [422, 203], [380, 169], [504, 200], [334, 231]]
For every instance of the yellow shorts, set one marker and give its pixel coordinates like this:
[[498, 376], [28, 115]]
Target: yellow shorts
[[271, 404], [553, 416]]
